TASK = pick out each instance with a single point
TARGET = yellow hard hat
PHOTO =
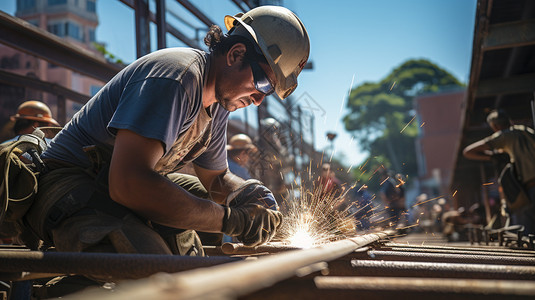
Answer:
(281, 37)
(35, 110)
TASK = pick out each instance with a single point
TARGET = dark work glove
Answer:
(251, 223)
(252, 191)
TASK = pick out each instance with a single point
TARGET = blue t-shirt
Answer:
(236, 169)
(159, 96)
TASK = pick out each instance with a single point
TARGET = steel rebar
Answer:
(461, 251)
(238, 248)
(232, 280)
(111, 265)
(430, 270)
(429, 285)
(444, 257)
(494, 249)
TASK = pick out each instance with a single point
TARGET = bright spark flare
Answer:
(302, 239)
(314, 218)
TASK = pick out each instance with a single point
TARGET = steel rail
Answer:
(429, 270)
(466, 248)
(108, 265)
(236, 279)
(429, 285)
(443, 257)
(381, 288)
(453, 251)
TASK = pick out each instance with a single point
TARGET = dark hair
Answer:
(21, 125)
(220, 43)
(499, 118)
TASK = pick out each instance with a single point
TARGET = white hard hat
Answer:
(281, 37)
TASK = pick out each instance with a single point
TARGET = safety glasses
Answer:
(261, 81)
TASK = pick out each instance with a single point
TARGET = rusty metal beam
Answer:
(113, 266)
(196, 12)
(236, 279)
(509, 35)
(524, 83)
(27, 38)
(52, 88)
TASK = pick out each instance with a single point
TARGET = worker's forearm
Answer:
(477, 155)
(224, 185)
(478, 151)
(160, 200)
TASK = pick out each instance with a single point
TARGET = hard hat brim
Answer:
(38, 119)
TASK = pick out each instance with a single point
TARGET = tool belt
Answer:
(68, 190)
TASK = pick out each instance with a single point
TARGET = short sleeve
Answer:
(155, 108)
(496, 140)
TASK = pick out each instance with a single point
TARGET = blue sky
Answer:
(352, 41)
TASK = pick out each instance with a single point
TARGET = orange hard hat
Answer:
(35, 110)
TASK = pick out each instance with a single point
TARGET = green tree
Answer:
(108, 55)
(382, 117)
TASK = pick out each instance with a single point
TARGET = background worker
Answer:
(30, 115)
(330, 185)
(163, 110)
(518, 141)
(392, 195)
(240, 148)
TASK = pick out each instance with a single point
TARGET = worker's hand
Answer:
(251, 223)
(252, 191)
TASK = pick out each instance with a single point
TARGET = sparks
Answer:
(408, 124)
(302, 239)
(393, 84)
(314, 218)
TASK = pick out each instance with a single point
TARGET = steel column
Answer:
(161, 24)
(142, 27)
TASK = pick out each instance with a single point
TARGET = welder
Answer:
(114, 184)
